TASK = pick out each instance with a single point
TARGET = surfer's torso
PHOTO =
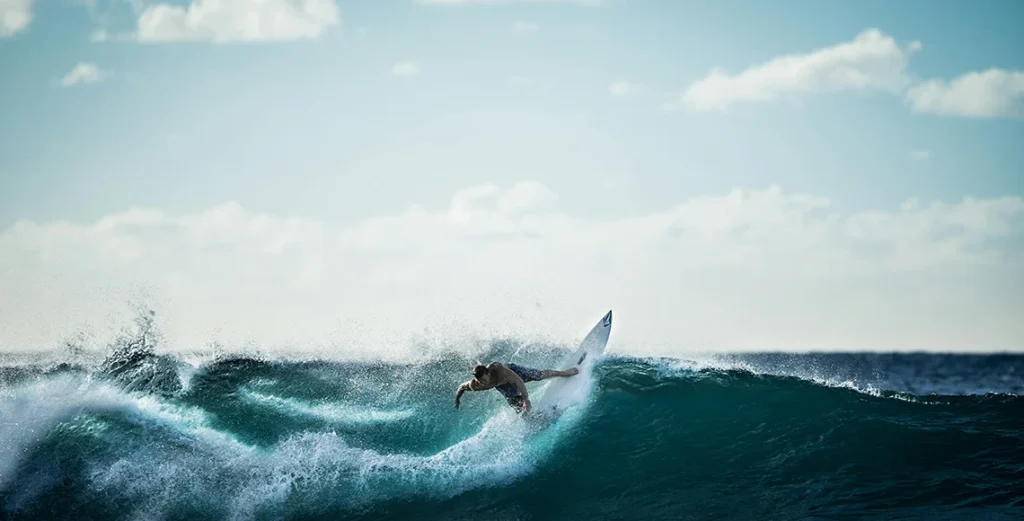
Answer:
(510, 380)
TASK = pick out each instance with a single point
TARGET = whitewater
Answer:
(138, 434)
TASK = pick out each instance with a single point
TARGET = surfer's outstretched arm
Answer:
(465, 386)
(469, 385)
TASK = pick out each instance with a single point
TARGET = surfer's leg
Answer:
(551, 373)
(531, 375)
(528, 374)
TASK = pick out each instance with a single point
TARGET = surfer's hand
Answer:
(527, 405)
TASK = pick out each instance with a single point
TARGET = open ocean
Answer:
(136, 435)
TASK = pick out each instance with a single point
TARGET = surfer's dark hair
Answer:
(479, 371)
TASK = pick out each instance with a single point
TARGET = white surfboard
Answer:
(563, 392)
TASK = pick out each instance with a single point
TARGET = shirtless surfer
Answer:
(510, 380)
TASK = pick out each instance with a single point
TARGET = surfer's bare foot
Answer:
(571, 371)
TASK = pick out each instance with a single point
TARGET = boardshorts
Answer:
(528, 374)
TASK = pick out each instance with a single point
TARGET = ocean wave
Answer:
(653, 439)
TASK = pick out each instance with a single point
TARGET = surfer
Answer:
(510, 380)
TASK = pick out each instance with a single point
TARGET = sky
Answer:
(385, 178)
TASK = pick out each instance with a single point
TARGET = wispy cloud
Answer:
(992, 93)
(525, 28)
(406, 68)
(920, 155)
(622, 88)
(871, 61)
(15, 15)
(237, 21)
(83, 73)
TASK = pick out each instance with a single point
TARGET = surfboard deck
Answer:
(563, 392)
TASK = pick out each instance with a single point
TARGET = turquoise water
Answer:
(744, 437)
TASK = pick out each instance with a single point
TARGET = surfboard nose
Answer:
(607, 320)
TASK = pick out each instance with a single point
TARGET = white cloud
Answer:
(15, 15)
(525, 28)
(991, 93)
(495, 2)
(871, 61)
(761, 269)
(920, 155)
(99, 35)
(224, 21)
(83, 73)
(622, 88)
(406, 68)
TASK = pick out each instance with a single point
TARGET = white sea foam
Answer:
(322, 468)
(322, 465)
(181, 459)
(28, 411)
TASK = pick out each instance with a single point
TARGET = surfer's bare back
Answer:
(510, 380)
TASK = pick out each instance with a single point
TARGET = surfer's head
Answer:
(479, 371)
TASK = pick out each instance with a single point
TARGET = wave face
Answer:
(742, 437)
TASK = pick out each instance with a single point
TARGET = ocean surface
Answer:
(136, 435)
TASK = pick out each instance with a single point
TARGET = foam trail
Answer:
(334, 412)
(323, 466)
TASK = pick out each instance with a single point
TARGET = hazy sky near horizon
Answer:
(369, 177)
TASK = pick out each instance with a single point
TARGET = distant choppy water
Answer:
(744, 437)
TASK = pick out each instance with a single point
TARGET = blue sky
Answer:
(345, 113)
